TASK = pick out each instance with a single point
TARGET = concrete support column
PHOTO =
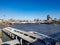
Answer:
(13, 36)
(21, 41)
(10, 34)
(16, 37)
(28, 43)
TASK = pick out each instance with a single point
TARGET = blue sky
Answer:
(29, 9)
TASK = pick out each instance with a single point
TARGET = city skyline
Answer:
(29, 9)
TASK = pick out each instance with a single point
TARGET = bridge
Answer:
(27, 38)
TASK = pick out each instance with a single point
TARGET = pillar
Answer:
(10, 34)
(28, 43)
(13, 36)
(16, 37)
(21, 41)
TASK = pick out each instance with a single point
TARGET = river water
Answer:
(41, 28)
(52, 30)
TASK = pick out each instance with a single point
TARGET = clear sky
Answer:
(29, 9)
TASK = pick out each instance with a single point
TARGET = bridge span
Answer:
(27, 38)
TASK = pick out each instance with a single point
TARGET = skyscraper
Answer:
(49, 18)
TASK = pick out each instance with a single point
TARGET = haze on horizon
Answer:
(29, 9)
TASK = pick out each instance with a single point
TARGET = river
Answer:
(52, 30)
(41, 28)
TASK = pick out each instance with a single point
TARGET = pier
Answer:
(26, 38)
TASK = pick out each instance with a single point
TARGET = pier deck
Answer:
(27, 38)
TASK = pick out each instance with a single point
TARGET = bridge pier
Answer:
(10, 34)
(21, 41)
(13, 36)
(16, 37)
(28, 43)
